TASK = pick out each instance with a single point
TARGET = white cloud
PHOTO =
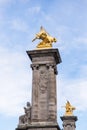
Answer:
(34, 10)
(81, 40)
(24, 1)
(18, 25)
(75, 91)
(15, 82)
(4, 2)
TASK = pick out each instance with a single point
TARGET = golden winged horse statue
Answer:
(47, 40)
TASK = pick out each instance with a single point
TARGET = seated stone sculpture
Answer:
(47, 40)
(26, 118)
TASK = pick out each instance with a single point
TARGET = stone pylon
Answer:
(69, 122)
(43, 110)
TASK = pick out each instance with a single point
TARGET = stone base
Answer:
(39, 127)
(69, 122)
(69, 118)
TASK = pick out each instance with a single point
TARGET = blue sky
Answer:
(20, 20)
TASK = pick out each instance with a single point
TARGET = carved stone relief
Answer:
(43, 81)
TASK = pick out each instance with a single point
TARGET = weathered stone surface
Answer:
(45, 56)
(69, 122)
(43, 114)
(26, 118)
(44, 108)
(40, 127)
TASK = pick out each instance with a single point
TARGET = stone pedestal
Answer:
(69, 122)
(44, 104)
(39, 127)
(44, 70)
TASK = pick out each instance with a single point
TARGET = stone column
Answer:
(52, 94)
(69, 122)
(35, 76)
(44, 100)
(44, 68)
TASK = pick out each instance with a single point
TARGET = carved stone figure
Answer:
(47, 40)
(26, 118)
